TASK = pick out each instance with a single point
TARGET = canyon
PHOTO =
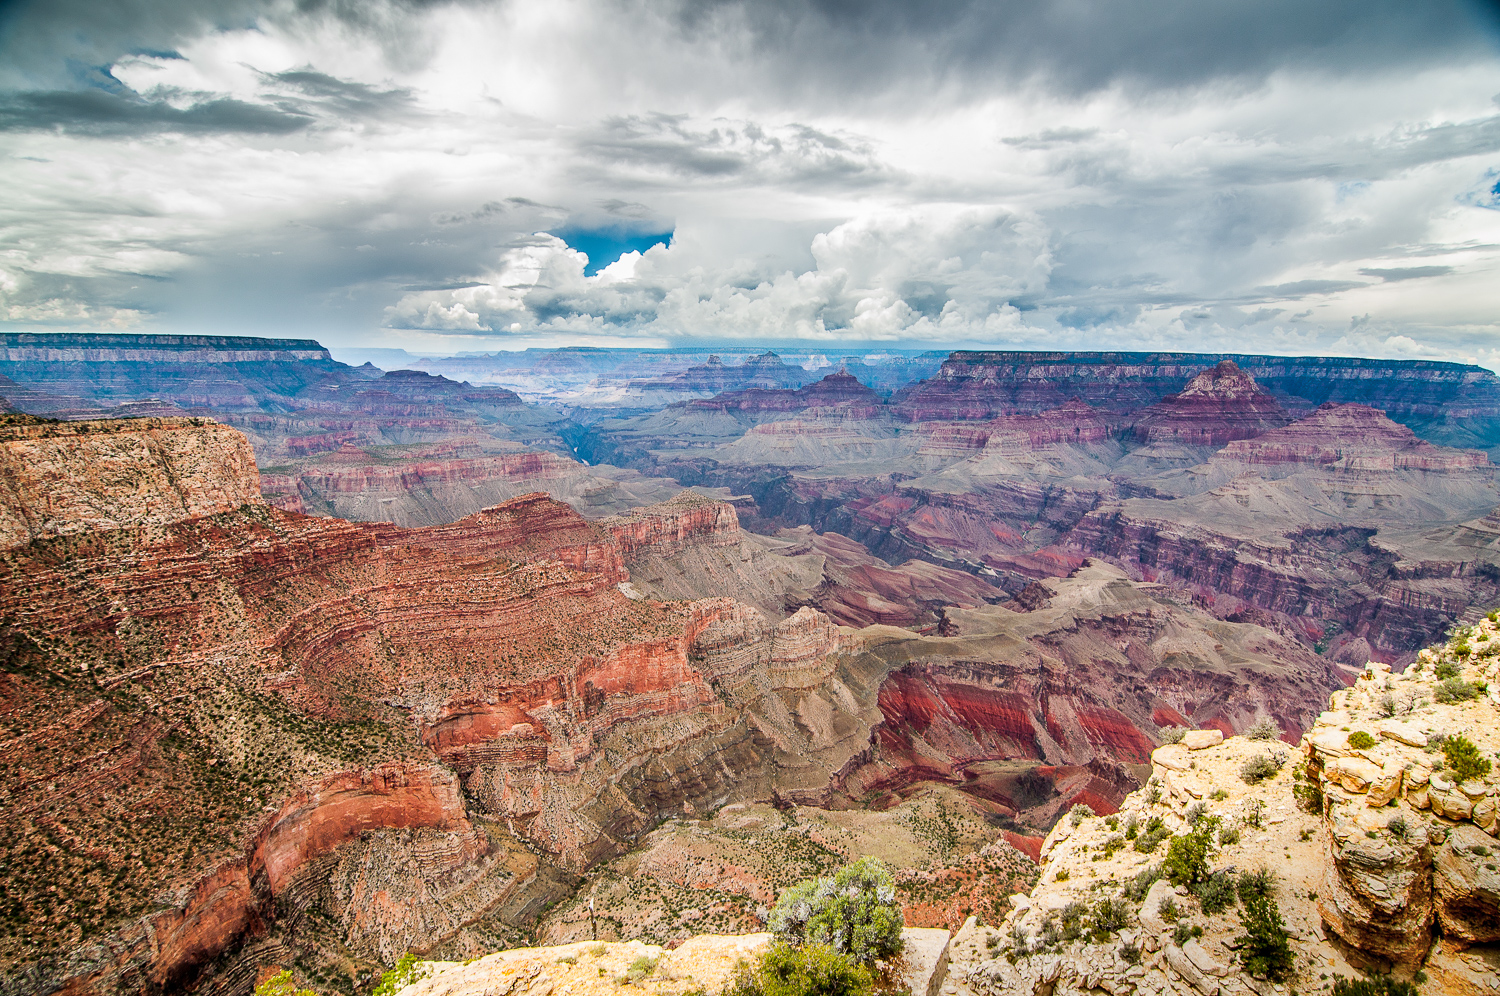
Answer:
(310, 665)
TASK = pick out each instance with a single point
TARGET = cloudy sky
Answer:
(1267, 175)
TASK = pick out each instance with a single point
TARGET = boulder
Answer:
(1200, 739)
(1387, 786)
(1354, 773)
(1402, 733)
(1191, 973)
(923, 964)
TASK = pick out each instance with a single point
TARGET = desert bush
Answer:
(1256, 883)
(1447, 669)
(1168, 909)
(1388, 705)
(1187, 854)
(1196, 812)
(1266, 729)
(1185, 932)
(1360, 740)
(638, 970)
(1264, 949)
(1108, 916)
(281, 984)
(1171, 734)
(1079, 813)
(854, 913)
(1229, 834)
(1397, 828)
(1464, 758)
(1150, 838)
(1258, 769)
(1456, 690)
(1135, 890)
(1215, 893)
(811, 970)
(402, 974)
(1375, 985)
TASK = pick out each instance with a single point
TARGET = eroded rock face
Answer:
(59, 480)
(177, 683)
(1217, 406)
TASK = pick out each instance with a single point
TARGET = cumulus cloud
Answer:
(1218, 174)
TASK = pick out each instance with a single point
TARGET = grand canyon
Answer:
(309, 665)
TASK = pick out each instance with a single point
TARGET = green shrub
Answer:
(638, 970)
(1375, 985)
(1196, 812)
(1447, 669)
(1136, 889)
(1171, 734)
(1360, 740)
(1109, 916)
(1253, 884)
(1258, 769)
(1168, 909)
(1266, 729)
(1464, 758)
(281, 984)
(1079, 813)
(401, 975)
(1454, 690)
(812, 970)
(1150, 838)
(1215, 893)
(855, 912)
(1229, 835)
(1264, 949)
(1184, 932)
(1187, 854)
(1061, 876)
(1219, 794)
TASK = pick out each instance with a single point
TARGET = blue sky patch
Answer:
(605, 245)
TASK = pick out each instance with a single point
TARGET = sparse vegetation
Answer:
(853, 913)
(1171, 734)
(1257, 769)
(1229, 834)
(1150, 839)
(1265, 729)
(282, 984)
(1187, 854)
(1375, 985)
(1264, 949)
(1464, 758)
(1079, 813)
(1360, 740)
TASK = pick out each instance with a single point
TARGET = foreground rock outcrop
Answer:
(1378, 862)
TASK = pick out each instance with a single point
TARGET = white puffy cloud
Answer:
(982, 173)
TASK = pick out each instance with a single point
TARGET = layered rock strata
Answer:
(287, 736)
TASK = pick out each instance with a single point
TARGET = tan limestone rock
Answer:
(1466, 876)
(1405, 733)
(1354, 773)
(1202, 739)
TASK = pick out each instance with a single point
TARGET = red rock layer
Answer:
(1217, 406)
(1353, 438)
(664, 528)
(1073, 423)
(320, 480)
(839, 392)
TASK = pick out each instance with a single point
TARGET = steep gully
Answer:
(237, 735)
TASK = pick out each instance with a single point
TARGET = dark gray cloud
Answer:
(1084, 45)
(98, 112)
(1406, 272)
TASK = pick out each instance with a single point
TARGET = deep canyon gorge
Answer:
(310, 665)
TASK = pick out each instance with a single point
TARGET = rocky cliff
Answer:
(1217, 406)
(235, 733)
(1379, 859)
(1447, 403)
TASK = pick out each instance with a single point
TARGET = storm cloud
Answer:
(1272, 175)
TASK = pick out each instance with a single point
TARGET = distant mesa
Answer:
(1350, 438)
(1217, 407)
(765, 371)
(839, 391)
